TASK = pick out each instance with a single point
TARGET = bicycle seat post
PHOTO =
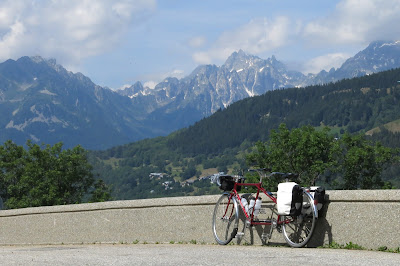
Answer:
(261, 173)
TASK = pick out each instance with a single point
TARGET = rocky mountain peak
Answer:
(378, 56)
(131, 91)
(202, 70)
(382, 44)
(240, 60)
(38, 59)
(51, 62)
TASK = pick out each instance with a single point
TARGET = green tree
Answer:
(43, 175)
(304, 151)
(311, 153)
(101, 192)
(362, 162)
(12, 170)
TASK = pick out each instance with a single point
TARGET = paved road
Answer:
(189, 254)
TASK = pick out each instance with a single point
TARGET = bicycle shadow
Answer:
(262, 234)
(256, 234)
(322, 234)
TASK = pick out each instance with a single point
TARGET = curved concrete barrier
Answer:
(369, 218)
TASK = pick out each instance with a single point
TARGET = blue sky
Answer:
(119, 42)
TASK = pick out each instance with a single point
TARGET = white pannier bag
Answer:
(289, 199)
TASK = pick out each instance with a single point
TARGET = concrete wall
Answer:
(368, 218)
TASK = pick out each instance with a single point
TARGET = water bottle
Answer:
(257, 206)
(251, 205)
(244, 203)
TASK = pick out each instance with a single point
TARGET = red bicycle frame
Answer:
(250, 216)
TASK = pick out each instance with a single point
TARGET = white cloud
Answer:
(325, 62)
(257, 36)
(69, 30)
(198, 41)
(123, 87)
(356, 22)
(203, 57)
(12, 37)
(150, 84)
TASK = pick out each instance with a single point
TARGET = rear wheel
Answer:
(225, 219)
(298, 230)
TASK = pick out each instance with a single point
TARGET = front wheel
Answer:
(225, 219)
(298, 230)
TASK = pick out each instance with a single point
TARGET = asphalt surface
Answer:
(188, 254)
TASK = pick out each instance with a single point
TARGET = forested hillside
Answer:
(358, 104)
(219, 142)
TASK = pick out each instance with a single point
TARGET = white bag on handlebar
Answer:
(289, 199)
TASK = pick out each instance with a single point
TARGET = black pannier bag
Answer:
(289, 199)
(227, 182)
(318, 194)
(297, 201)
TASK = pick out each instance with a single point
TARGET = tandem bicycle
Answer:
(296, 229)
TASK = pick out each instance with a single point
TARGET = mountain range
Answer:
(367, 105)
(42, 101)
(244, 75)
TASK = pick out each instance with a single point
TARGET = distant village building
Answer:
(187, 182)
(157, 175)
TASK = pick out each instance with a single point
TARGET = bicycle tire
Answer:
(225, 219)
(298, 230)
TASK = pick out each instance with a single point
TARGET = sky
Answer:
(119, 42)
